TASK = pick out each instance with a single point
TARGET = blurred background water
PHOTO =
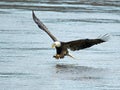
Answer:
(26, 61)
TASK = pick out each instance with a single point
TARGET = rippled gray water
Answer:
(26, 61)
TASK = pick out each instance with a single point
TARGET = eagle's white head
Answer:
(56, 44)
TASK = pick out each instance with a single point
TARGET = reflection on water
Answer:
(26, 61)
(79, 72)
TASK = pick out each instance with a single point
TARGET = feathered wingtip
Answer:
(34, 17)
(105, 37)
(33, 13)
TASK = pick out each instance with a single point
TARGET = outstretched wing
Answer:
(42, 26)
(85, 43)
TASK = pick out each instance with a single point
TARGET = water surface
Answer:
(26, 61)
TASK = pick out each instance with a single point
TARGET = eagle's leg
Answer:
(70, 55)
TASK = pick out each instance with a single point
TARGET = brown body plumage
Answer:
(62, 47)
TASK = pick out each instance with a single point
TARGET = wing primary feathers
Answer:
(105, 37)
(86, 43)
(42, 26)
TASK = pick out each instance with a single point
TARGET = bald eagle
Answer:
(62, 47)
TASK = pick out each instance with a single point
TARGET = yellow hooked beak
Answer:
(53, 45)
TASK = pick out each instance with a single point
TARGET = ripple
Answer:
(14, 73)
(4, 12)
(89, 20)
(17, 32)
(26, 48)
(62, 6)
(4, 42)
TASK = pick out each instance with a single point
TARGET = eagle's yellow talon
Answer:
(57, 56)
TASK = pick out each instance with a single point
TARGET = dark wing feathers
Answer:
(42, 26)
(85, 43)
(72, 45)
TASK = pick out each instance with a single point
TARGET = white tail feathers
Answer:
(105, 37)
